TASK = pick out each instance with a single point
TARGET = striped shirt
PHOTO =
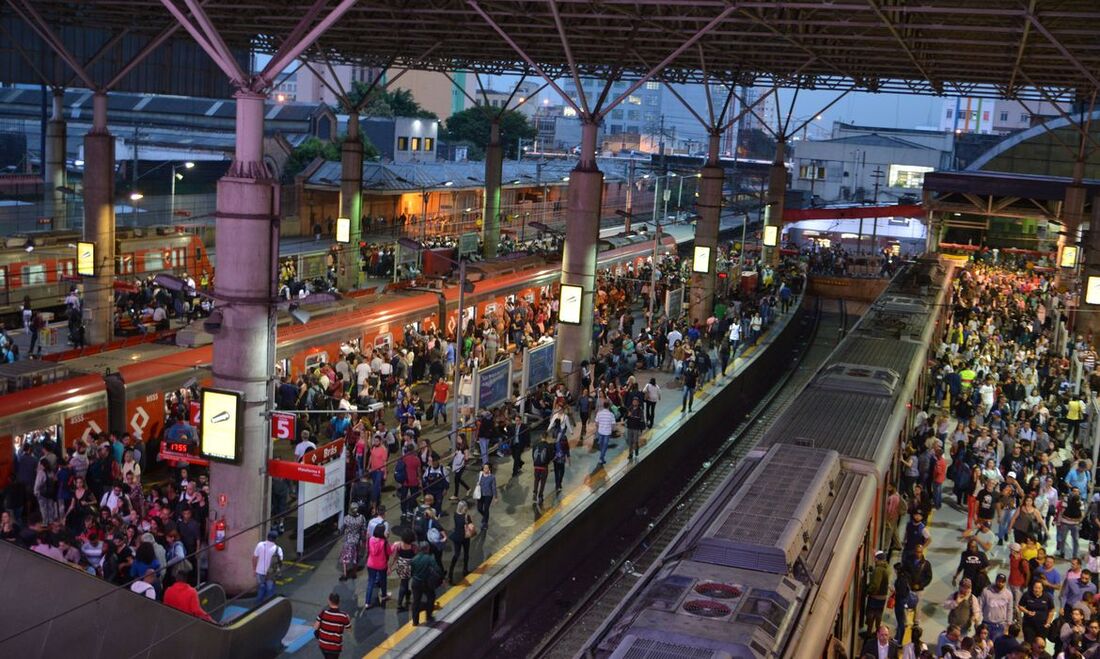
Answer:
(330, 633)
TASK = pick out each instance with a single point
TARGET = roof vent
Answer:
(718, 590)
(707, 608)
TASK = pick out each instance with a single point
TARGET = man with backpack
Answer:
(427, 576)
(541, 455)
(267, 560)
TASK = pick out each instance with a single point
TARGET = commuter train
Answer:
(125, 390)
(42, 265)
(775, 563)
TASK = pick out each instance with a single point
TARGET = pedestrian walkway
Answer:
(515, 518)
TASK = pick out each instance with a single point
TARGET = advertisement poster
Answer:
(493, 385)
(674, 302)
(539, 365)
(569, 310)
(221, 425)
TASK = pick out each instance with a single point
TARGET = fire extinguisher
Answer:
(219, 535)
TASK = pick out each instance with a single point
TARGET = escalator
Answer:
(48, 610)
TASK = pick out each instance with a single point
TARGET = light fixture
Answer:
(78, 163)
(448, 184)
(135, 196)
(179, 177)
(565, 178)
(188, 165)
(29, 248)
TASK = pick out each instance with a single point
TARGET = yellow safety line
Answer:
(400, 634)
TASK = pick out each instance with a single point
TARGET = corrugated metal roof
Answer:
(885, 353)
(411, 177)
(847, 423)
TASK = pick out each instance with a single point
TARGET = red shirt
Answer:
(181, 595)
(330, 632)
(440, 392)
(940, 473)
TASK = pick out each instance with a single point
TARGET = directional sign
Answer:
(283, 425)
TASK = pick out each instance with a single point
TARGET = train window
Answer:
(3, 278)
(64, 269)
(468, 315)
(181, 403)
(198, 257)
(348, 347)
(511, 299)
(125, 264)
(37, 436)
(490, 308)
(316, 359)
(34, 274)
(383, 341)
(179, 257)
(154, 261)
(530, 297)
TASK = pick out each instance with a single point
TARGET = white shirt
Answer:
(652, 392)
(605, 422)
(265, 550)
(674, 337)
(362, 372)
(144, 588)
(735, 332)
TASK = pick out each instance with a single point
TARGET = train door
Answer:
(383, 342)
(152, 260)
(124, 264)
(5, 297)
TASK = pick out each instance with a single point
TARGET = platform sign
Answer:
(283, 426)
(674, 302)
(320, 501)
(85, 259)
(569, 307)
(221, 429)
(1092, 291)
(493, 385)
(468, 244)
(538, 365)
(296, 471)
(343, 230)
(771, 235)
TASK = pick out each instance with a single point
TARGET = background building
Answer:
(996, 117)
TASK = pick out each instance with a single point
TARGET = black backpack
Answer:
(50, 487)
(541, 454)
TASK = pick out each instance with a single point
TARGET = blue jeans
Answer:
(1073, 530)
(375, 578)
(937, 495)
(483, 446)
(1002, 526)
(439, 411)
(603, 440)
(376, 478)
(996, 630)
(689, 398)
(899, 615)
(265, 587)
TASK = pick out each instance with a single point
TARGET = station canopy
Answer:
(985, 48)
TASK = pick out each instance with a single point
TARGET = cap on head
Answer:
(272, 534)
(1012, 474)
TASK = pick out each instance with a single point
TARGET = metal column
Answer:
(706, 230)
(99, 223)
(578, 266)
(777, 191)
(351, 204)
(494, 162)
(247, 234)
(54, 163)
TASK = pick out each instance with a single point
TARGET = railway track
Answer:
(568, 637)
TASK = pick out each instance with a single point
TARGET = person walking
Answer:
(329, 628)
(440, 393)
(605, 426)
(561, 459)
(427, 575)
(541, 455)
(464, 530)
(404, 551)
(355, 526)
(378, 561)
(585, 403)
(998, 607)
(266, 561)
(484, 492)
(459, 461)
(652, 394)
(635, 424)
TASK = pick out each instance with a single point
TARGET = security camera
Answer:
(212, 324)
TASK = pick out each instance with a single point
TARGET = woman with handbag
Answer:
(464, 531)
(1027, 520)
(484, 493)
(404, 551)
(378, 562)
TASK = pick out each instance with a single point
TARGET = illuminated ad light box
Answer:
(221, 427)
(569, 311)
(1092, 291)
(700, 261)
(343, 230)
(85, 259)
(1069, 256)
(771, 236)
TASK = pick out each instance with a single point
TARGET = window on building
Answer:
(973, 115)
(1004, 116)
(616, 129)
(653, 100)
(616, 114)
(415, 144)
(429, 144)
(633, 115)
(907, 176)
(950, 112)
(402, 144)
(1025, 118)
(652, 86)
(634, 100)
(985, 115)
(568, 112)
(811, 171)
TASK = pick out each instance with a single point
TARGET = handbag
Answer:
(477, 489)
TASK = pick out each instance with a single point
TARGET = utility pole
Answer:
(629, 196)
(878, 175)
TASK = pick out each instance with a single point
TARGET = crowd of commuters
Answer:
(1000, 443)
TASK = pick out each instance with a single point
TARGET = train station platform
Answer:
(518, 526)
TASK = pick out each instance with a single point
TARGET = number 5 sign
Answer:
(283, 426)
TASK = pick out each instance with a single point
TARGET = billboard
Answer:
(220, 432)
(494, 385)
(538, 365)
(85, 259)
(569, 309)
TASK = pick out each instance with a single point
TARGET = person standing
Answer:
(1037, 610)
(485, 492)
(635, 424)
(963, 608)
(878, 591)
(427, 575)
(439, 400)
(605, 425)
(997, 607)
(690, 380)
(355, 528)
(458, 465)
(464, 530)
(378, 561)
(652, 394)
(561, 458)
(266, 559)
(329, 628)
